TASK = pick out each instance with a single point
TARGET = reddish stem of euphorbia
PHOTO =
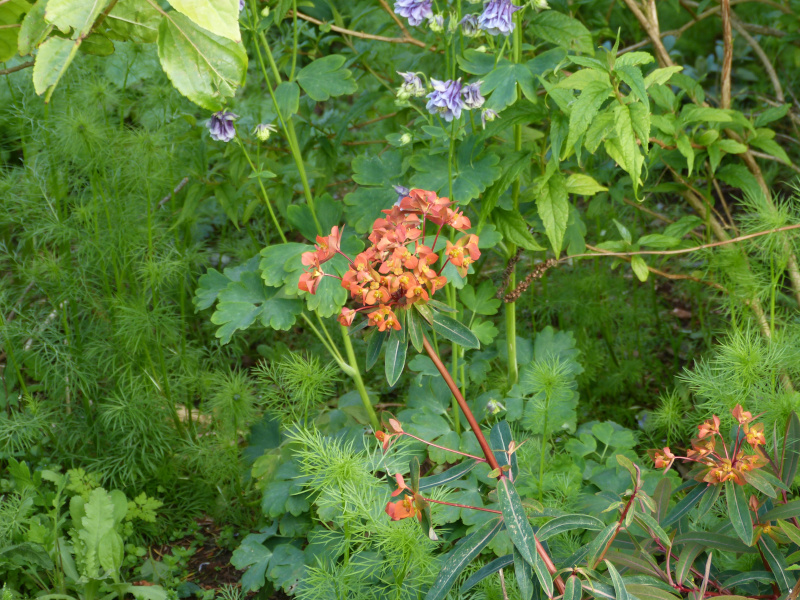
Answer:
(491, 510)
(487, 451)
(478, 458)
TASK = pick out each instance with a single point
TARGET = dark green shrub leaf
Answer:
(777, 563)
(524, 574)
(791, 449)
(515, 230)
(326, 77)
(558, 28)
(452, 474)
(568, 523)
(395, 358)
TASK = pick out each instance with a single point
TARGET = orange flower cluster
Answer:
(405, 507)
(716, 461)
(396, 270)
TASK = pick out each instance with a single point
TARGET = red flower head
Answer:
(755, 435)
(663, 458)
(741, 415)
(463, 253)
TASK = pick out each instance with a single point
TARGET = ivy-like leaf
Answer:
(326, 77)
(244, 302)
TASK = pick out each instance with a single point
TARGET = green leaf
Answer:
(566, 523)
(584, 185)
(520, 531)
(552, 202)
(513, 167)
(639, 268)
(708, 501)
(791, 531)
(573, 589)
(558, 28)
(685, 148)
(471, 175)
(782, 511)
(647, 521)
(455, 331)
(490, 569)
(481, 301)
(52, 60)
(514, 229)
(220, 17)
(790, 453)
(287, 95)
(134, 20)
(204, 67)
(500, 439)
(243, 302)
(759, 482)
(777, 563)
(599, 544)
(33, 31)
(452, 474)
(692, 113)
(96, 550)
(619, 585)
(686, 560)
(374, 347)
(10, 16)
(463, 554)
(633, 77)
(716, 541)
(685, 505)
(326, 77)
(648, 592)
(395, 359)
(731, 146)
(416, 330)
(485, 331)
(771, 114)
(75, 15)
(739, 512)
(375, 175)
(747, 577)
(624, 148)
(661, 76)
(524, 575)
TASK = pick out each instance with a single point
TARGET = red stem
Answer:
(490, 458)
(478, 458)
(497, 512)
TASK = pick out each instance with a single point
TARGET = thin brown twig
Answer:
(648, 211)
(741, 238)
(727, 57)
(361, 34)
(16, 68)
(718, 189)
(762, 56)
(395, 18)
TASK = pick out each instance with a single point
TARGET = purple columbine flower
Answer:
(221, 126)
(411, 87)
(469, 26)
(445, 99)
(402, 192)
(436, 23)
(241, 5)
(415, 11)
(498, 18)
(472, 95)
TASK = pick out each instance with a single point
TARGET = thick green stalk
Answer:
(511, 307)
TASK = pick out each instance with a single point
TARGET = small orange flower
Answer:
(403, 509)
(755, 435)
(346, 316)
(710, 427)
(742, 416)
(663, 458)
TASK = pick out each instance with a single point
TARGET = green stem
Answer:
(356, 375)
(10, 352)
(294, 45)
(263, 190)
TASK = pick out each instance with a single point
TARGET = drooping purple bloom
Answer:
(469, 26)
(415, 11)
(445, 99)
(498, 17)
(220, 125)
(472, 95)
(411, 87)
(436, 23)
(241, 5)
(402, 192)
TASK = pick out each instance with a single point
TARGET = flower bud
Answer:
(488, 115)
(436, 23)
(540, 5)
(469, 26)
(265, 12)
(405, 139)
(263, 131)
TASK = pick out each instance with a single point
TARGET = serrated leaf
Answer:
(204, 67)
(661, 76)
(471, 175)
(75, 15)
(463, 554)
(560, 29)
(134, 20)
(326, 77)
(514, 229)
(584, 185)
(552, 202)
(376, 175)
(455, 331)
(773, 113)
(739, 512)
(633, 77)
(220, 17)
(33, 31)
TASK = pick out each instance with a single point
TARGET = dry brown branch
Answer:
(361, 34)
(16, 68)
(762, 56)
(648, 211)
(727, 57)
(395, 18)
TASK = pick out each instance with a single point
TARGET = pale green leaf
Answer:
(553, 205)
(584, 185)
(639, 267)
(34, 29)
(220, 17)
(204, 67)
(560, 29)
(52, 60)
(661, 76)
(75, 15)
(585, 109)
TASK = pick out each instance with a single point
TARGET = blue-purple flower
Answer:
(415, 11)
(402, 192)
(472, 95)
(469, 26)
(436, 23)
(220, 125)
(411, 87)
(445, 99)
(241, 5)
(498, 17)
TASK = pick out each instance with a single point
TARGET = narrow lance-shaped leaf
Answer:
(524, 575)
(415, 329)
(374, 347)
(791, 449)
(568, 523)
(616, 580)
(685, 505)
(573, 589)
(463, 554)
(521, 532)
(776, 563)
(493, 567)
(739, 512)
(395, 359)
(455, 331)
(451, 474)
